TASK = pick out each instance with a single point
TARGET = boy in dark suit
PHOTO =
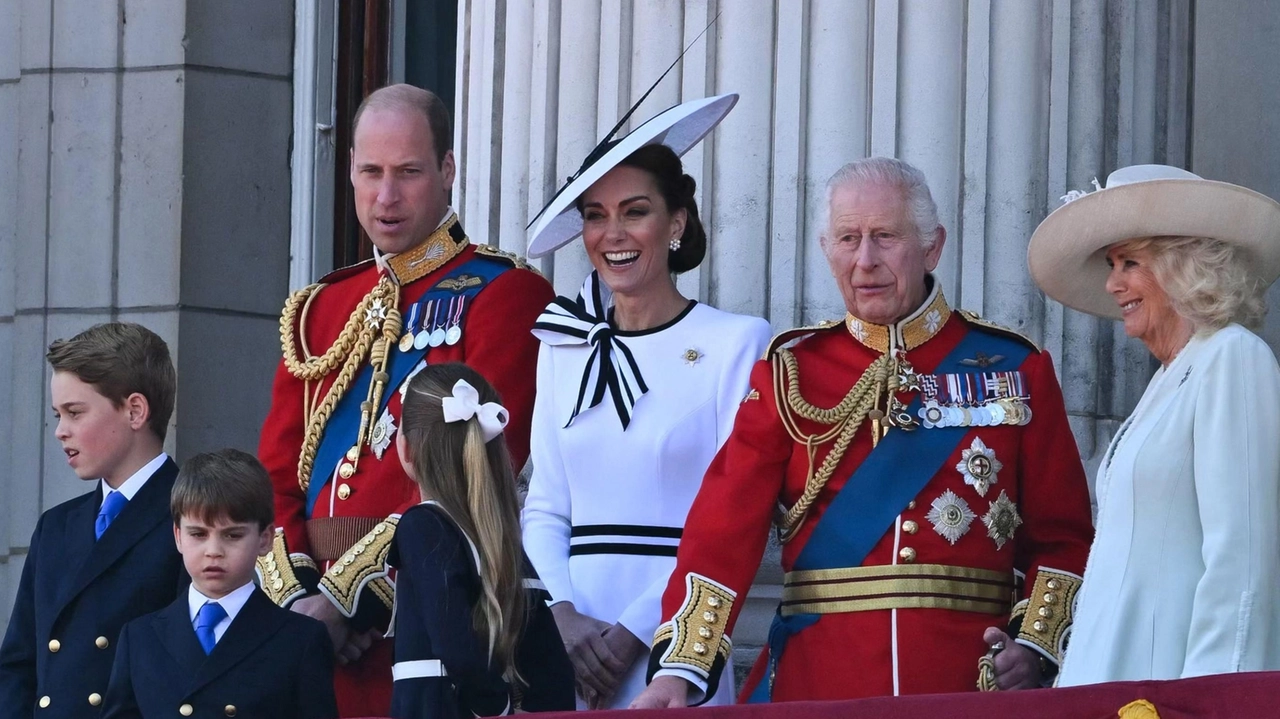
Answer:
(102, 559)
(223, 648)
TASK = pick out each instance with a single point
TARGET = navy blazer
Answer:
(270, 664)
(437, 587)
(75, 594)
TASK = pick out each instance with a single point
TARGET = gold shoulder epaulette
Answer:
(973, 319)
(511, 258)
(786, 337)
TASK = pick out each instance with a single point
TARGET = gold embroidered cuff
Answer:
(697, 631)
(1046, 624)
(276, 572)
(364, 565)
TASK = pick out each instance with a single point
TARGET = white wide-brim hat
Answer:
(1067, 253)
(679, 128)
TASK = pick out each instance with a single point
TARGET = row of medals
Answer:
(440, 331)
(1005, 410)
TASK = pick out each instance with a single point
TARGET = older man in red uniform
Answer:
(349, 343)
(920, 470)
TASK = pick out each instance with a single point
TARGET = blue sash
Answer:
(344, 423)
(890, 477)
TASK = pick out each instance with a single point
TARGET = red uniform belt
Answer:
(901, 586)
(331, 537)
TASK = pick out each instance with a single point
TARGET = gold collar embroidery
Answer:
(429, 256)
(919, 327)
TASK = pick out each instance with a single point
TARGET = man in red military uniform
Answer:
(349, 343)
(919, 467)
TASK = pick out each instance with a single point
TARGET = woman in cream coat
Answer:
(1184, 575)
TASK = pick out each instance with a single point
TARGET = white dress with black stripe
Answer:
(606, 505)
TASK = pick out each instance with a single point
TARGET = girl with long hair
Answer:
(473, 634)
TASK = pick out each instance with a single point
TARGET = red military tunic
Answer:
(340, 548)
(909, 618)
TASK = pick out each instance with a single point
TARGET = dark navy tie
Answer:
(206, 619)
(111, 507)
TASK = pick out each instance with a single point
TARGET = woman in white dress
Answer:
(638, 387)
(1184, 575)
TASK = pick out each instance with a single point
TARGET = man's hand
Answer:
(357, 644)
(318, 606)
(1017, 667)
(594, 663)
(663, 693)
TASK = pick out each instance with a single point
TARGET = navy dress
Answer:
(442, 664)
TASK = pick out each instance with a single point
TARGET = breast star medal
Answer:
(950, 516)
(691, 356)
(383, 431)
(979, 466)
(1002, 520)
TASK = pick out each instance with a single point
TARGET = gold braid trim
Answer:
(275, 571)
(844, 419)
(365, 333)
(363, 565)
(697, 631)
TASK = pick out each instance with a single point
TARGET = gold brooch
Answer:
(691, 356)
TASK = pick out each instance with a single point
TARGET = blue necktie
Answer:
(111, 507)
(206, 619)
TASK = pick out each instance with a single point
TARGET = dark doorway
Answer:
(363, 65)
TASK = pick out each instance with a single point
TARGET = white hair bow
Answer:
(465, 404)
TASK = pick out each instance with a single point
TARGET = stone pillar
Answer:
(144, 176)
(1005, 105)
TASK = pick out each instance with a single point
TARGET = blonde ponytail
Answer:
(473, 482)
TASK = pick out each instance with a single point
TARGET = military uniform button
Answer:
(277, 584)
(709, 616)
(1050, 598)
(230, 710)
(44, 702)
(1045, 612)
(1039, 625)
(907, 555)
(186, 710)
(54, 645)
(910, 527)
(699, 648)
(95, 699)
(337, 569)
(713, 602)
(344, 490)
(704, 632)
(101, 642)
(1052, 584)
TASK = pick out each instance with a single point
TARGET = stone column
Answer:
(144, 176)
(1005, 104)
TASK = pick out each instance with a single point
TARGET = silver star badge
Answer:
(376, 313)
(691, 356)
(979, 466)
(383, 431)
(1002, 520)
(950, 516)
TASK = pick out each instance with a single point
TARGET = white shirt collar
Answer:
(139, 478)
(382, 258)
(232, 603)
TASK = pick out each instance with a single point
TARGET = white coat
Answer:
(606, 506)
(1183, 577)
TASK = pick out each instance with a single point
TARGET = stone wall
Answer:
(1004, 104)
(144, 176)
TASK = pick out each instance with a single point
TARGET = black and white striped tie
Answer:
(611, 367)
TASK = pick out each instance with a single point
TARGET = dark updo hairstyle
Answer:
(677, 189)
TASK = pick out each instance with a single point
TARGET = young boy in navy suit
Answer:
(102, 559)
(223, 648)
